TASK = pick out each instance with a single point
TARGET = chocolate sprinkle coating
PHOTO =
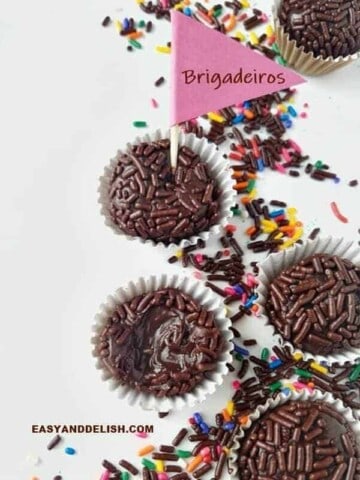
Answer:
(148, 200)
(162, 342)
(316, 304)
(300, 439)
(327, 28)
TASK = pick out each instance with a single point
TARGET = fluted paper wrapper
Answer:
(301, 61)
(280, 399)
(277, 262)
(218, 167)
(207, 299)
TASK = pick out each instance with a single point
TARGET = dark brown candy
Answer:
(54, 442)
(314, 233)
(315, 303)
(202, 470)
(167, 448)
(179, 437)
(145, 474)
(198, 437)
(147, 199)
(220, 465)
(172, 468)
(129, 466)
(159, 81)
(325, 28)
(159, 343)
(180, 476)
(109, 466)
(165, 456)
(298, 455)
(106, 21)
(163, 414)
(250, 342)
(153, 475)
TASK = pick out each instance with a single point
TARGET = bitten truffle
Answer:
(163, 343)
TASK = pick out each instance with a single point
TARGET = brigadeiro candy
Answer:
(161, 342)
(143, 197)
(311, 297)
(317, 36)
(162, 339)
(315, 304)
(303, 440)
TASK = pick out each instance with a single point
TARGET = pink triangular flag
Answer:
(197, 49)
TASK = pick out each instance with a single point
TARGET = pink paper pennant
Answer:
(212, 71)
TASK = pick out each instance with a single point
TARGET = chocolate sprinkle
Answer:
(54, 442)
(106, 21)
(159, 81)
(163, 414)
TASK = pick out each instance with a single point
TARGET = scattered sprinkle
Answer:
(54, 442)
(134, 43)
(159, 81)
(70, 451)
(337, 213)
(106, 21)
(146, 450)
(139, 124)
(162, 49)
(314, 233)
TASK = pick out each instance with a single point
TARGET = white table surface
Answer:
(69, 92)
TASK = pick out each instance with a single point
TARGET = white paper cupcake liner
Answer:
(206, 299)
(280, 399)
(218, 167)
(277, 262)
(301, 61)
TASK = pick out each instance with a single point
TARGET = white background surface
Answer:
(69, 92)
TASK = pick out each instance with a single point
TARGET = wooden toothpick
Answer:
(174, 145)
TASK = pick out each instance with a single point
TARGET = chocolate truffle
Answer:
(146, 199)
(315, 304)
(163, 343)
(327, 28)
(306, 440)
